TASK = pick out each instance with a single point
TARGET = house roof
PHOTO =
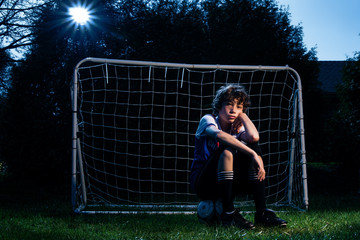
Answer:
(330, 75)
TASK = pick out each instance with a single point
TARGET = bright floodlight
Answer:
(80, 15)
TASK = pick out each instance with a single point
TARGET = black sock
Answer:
(258, 189)
(225, 184)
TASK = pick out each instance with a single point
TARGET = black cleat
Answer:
(268, 218)
(235, 219)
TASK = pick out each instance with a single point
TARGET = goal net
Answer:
(134, 125)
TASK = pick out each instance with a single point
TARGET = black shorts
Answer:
(206, 182)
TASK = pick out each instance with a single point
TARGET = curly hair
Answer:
(229, 93)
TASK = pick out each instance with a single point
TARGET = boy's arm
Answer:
(228, 140)
(234, 143)
(251, 134)
(261, 173)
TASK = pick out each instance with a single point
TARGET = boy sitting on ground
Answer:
(228, 159)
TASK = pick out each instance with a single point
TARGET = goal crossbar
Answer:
(88, 157)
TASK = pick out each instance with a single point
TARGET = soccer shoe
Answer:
(235, 219)
(268, 218)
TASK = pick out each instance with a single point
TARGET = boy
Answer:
(228, 159)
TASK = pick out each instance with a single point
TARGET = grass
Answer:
(34, 217)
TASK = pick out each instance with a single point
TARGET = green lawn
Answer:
(329, 217)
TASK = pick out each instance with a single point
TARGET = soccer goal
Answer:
(134, 124)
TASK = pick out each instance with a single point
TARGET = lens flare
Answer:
(80, 15)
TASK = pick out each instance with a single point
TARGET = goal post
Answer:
(134, 125)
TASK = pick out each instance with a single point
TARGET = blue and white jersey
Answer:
(205, 146)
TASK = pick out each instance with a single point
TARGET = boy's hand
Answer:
(259, 165)
(261, 174)
(251, 134)
(236, 126)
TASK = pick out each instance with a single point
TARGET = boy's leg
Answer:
(263, 216)
(246, 181)
(225, 180)
(246, 174)
(230, 216)
(216, 177)
(216, 180)
(257, 188)
(206, 182)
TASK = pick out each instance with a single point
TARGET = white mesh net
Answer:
(136, 125)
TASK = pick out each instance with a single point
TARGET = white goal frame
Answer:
(295, 141)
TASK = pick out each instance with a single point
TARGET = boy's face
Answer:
(230, 111)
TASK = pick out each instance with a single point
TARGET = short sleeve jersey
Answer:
(205, 146)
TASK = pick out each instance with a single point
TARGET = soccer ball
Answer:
(209, 211)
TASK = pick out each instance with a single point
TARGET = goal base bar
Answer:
(167, 210)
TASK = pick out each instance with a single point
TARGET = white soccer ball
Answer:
(209, 211)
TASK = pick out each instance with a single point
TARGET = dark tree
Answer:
(36, 115)
(347, 120)
(160, 30)
(16, 22)
(348, 93)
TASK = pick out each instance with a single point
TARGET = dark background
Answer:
(35, 110)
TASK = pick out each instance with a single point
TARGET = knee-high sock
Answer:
(225, 184)
(258, 190)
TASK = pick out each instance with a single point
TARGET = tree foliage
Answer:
(16, 18)
(36, 118)
(349, 92)
(36, 115)
(347, 119)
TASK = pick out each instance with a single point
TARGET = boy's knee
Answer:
(227, 154)
(226, 160)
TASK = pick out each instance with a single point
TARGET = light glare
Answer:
(80, 15)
